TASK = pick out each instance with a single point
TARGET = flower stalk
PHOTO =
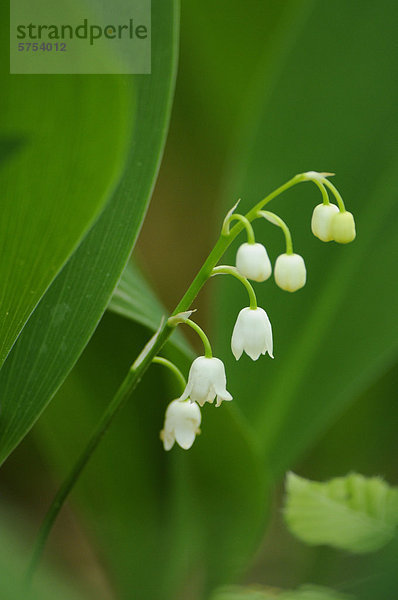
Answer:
(160, 360)
(154, 346)
(276, 220)
(227, 270)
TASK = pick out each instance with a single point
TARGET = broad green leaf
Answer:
(182, 515)
(334, 337)
(350, 513)
(56, 174)
(305, 592)
(67, 315)
(134, 299)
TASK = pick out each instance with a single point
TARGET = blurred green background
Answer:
(265, 90)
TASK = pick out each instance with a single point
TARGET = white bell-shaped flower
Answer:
(289, 272)
(206, 381)
(252, 334)
(181, 424)
(343, 227)
(252, 262)
(322, 220)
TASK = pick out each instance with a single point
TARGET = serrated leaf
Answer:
(56, 174)
(67, 315)
(352, 513)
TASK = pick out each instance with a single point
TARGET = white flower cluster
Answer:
(206, 382)
(252, 332)
(328, 223)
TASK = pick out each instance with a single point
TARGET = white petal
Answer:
(185, 437)
(187, 392)
(224, 396)
(167, 438)
(237, 340)
(219, 379)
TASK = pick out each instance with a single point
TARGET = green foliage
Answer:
(350, 513)
(56, 174)
(68, 313)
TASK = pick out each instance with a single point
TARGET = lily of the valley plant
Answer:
(252, 332)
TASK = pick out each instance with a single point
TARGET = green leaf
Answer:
(67, 315)
(134, 299)
(56, 173)
(305, 592)
(337, 335)
(350, 513)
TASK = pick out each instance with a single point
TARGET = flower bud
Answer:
(289, 272)
(343, 228)
(321, 222)
(252, 262)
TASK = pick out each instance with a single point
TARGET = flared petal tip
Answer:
(185, 438)
(254, 355)
(237, 352)
(167, 439)
(226, 397)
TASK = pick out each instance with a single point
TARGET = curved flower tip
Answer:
(206, 381)
(252, 262)
(252, 334)
(181, 424)
(343, 227)
(290, 272)
(321, 222)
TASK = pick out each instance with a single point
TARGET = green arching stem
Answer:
(202, 335)
(336, 194)
(139, 367)
(276, 220)
(160, 360)
(227, 270)
(323, 190)
(246, 223)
